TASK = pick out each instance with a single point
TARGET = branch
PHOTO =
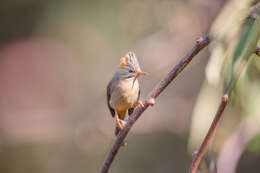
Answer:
(197, 155)
(200, 44)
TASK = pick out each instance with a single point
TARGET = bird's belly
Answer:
(125, 96)
(124, 103)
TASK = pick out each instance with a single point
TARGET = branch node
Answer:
(257, 51)
(225, 98)
(199, 40)
(151, 101)
(194, 154)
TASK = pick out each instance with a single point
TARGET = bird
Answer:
(123, 90)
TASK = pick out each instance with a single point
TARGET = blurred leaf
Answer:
(247, 87)
(245, 47)
(254, 144)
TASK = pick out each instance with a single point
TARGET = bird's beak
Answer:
(139, 72)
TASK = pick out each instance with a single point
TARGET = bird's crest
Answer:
(123, 61)
(129, 61)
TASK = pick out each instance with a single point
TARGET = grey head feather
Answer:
(130, 67)
(132, 62)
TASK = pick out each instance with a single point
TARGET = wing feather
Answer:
(112, 111)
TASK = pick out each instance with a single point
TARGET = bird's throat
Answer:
(135, 78)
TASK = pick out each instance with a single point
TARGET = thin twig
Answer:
(200, 44)
(197, 156)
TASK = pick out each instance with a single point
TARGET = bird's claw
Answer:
(140, 103)
(120, 123)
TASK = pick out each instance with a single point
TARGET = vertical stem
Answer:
(197, 156)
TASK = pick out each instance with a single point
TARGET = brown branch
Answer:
(197, 156)
(200, 44)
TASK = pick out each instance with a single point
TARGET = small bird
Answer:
(123, 91)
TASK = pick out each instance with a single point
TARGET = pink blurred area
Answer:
(34, 88)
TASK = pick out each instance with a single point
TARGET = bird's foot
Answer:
(120, 123)
(140, 103)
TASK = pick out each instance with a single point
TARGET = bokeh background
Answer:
(56, 59)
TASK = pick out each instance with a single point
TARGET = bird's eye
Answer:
(130, 71)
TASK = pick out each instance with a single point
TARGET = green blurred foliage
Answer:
(244, 48)
(254, 144)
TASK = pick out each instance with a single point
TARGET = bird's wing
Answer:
(112, 111)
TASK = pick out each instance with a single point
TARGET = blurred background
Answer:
(56, 59)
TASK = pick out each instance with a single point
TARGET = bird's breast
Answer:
(124, 94)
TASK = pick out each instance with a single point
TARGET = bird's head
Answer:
(129, 66)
